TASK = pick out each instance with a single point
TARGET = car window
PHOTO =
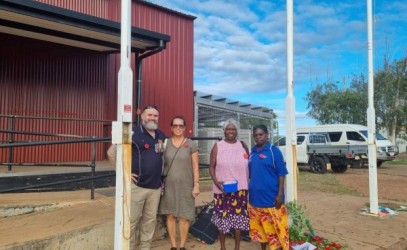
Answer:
(280, 142)
(354, 136)
(334, 136)
(300, 139)
(378, 136)
(317, 139)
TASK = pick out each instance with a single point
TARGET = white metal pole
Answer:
(291, 135)
(122, 132)
(371, 117)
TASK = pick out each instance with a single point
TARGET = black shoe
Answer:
(173, 248)
(182, 248)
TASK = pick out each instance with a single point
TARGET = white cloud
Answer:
(240, 46)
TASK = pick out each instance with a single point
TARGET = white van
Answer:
(354, 134)
(316, 151)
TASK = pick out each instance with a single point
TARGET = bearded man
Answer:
(146, 170)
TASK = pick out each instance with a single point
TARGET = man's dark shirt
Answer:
(147, 163)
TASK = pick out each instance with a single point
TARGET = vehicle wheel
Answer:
(358, 164)
(339, 168)
(318, 165)
(379, 163)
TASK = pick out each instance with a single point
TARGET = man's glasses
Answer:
(151, 107)
(178, 126)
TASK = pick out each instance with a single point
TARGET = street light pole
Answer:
(371, 117)
(122, 133)
(290, 110)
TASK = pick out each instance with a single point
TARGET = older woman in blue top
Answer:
(267, 212)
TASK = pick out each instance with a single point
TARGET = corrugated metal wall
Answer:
(167, 76)
(96, 8)
(43, 79)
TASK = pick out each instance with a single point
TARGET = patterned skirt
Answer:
(230, 211)
(270, 225)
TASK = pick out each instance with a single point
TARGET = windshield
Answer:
(378, 136)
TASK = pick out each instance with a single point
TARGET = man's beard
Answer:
(150, 125)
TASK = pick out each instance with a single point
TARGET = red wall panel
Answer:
(167, 76)
(49, 80)
(42, 79)
(96, 8)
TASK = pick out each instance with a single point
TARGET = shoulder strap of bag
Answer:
(245, 147)
(173, 158)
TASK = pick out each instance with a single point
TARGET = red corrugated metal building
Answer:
(60, 59)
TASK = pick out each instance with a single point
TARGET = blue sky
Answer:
(240, 46)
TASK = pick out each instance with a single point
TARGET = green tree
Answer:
(391, 97)
(329, 104)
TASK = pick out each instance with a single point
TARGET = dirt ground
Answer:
(391, 181)
(339, 217)
(334, 216)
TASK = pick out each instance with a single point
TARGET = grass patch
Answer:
(323, 182)
(307, 181)
(396, 162)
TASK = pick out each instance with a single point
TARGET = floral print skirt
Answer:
(230, 211)
(269, 225)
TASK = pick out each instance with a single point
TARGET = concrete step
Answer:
(72, 222)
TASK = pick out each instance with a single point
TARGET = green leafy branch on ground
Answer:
(300, 226)
(302, 231)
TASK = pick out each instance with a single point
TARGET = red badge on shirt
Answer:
(262, 156)
(245, 156)
(146, 146)
(186, 145)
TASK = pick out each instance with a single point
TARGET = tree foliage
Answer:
(327, 103)
(330, 104)
(391, 97)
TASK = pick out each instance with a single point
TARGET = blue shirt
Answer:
(147, 161)
(265, 168)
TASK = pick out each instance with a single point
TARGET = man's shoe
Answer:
(182, 248)
(173, 248)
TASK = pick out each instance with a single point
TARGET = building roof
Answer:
(45, 22)
(229, 105)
